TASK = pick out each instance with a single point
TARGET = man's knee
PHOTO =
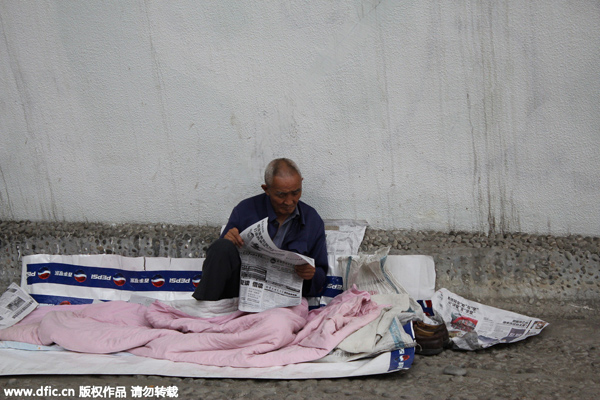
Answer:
(220, 272)
(223, 255)
(222, 246)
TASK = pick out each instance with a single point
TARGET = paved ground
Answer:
(562, 362)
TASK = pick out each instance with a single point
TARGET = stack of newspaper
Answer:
(15, 304)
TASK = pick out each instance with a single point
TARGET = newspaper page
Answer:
(268, 278)
(15, 304)
(474, 326)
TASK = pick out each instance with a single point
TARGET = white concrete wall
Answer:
(445, 115)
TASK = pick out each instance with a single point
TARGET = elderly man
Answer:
(293, 225)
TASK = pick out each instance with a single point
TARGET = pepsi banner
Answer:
(78, 279)
(101, 277)
(55, 279)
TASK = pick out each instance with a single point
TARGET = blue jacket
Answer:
(305, 236)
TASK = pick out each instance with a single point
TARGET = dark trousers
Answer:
(220, 272)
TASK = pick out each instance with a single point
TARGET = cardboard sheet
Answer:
(80, 279)
(25, 362)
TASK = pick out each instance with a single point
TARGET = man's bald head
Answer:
(282, 167)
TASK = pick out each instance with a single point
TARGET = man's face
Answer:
(284, 192)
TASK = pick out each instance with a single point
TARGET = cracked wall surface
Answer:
(432, 116)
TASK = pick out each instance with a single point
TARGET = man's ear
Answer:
(264, 187)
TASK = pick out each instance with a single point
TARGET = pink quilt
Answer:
(278, 336)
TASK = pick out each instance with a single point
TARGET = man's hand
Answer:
(305, 271)
(234, 235)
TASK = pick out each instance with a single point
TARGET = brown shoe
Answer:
(431, 339)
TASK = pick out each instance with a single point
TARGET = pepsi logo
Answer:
(196, 280)
(80, 276)
(119, 280)
(64, 303)
(158, 280)
(44, 273)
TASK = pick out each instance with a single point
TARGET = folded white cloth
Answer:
(383, 334)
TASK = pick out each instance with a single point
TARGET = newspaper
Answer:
(15, 304)
(474, 326)
(268, 278)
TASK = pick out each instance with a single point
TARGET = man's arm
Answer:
(246, 213)
(231, 231)
(233, 235)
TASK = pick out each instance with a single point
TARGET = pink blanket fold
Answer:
(274, 337)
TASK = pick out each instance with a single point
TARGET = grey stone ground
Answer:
(554, 278)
